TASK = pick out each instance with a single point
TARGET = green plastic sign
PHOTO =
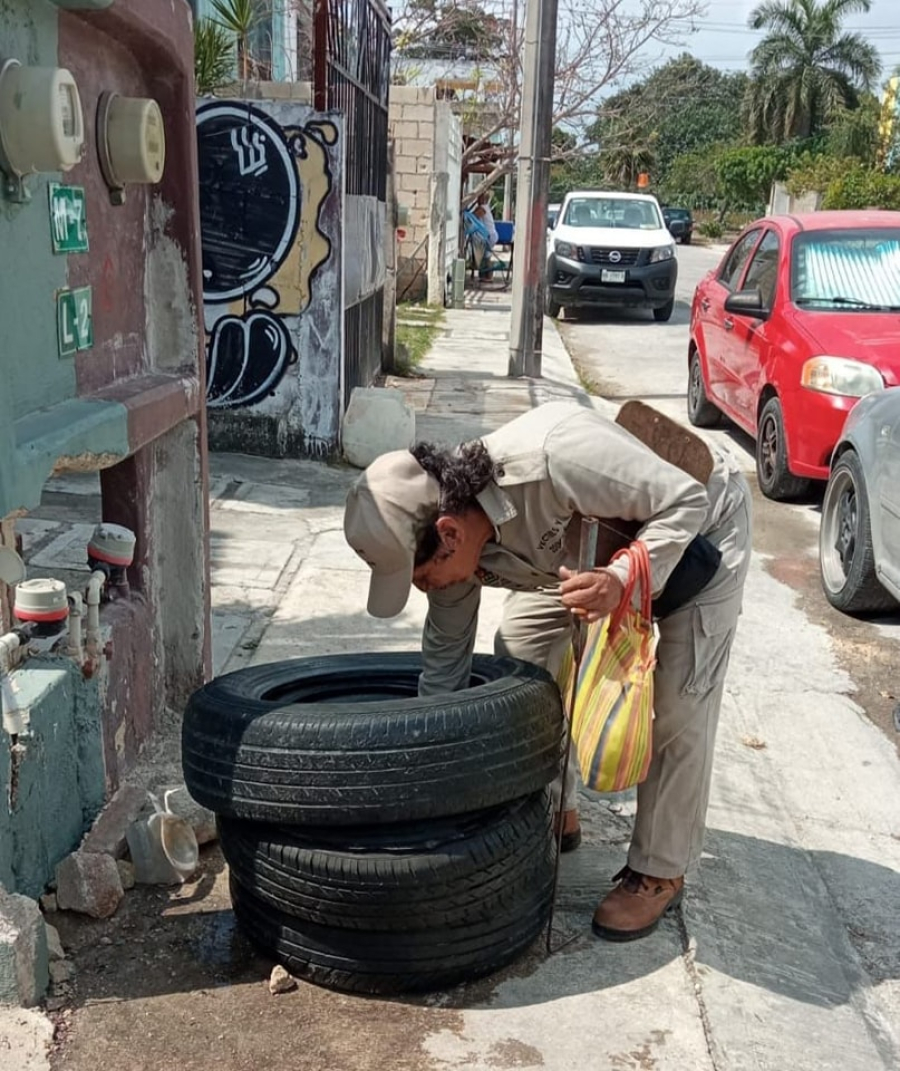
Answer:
(74, 321)
(68, 219)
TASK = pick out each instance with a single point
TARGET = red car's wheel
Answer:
(775, 479)
(701, 411)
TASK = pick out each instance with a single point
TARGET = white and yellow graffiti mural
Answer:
(270, 208)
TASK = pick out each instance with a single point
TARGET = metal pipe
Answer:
(92, 634)
(587, 560)
(76, 614)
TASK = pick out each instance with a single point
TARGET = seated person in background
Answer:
(485, 216)
(484, 213)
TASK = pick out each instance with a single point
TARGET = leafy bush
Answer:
(214, 57)
(846, 183)
(711, 228)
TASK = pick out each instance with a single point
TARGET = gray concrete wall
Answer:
(124, 410)
(427, 138)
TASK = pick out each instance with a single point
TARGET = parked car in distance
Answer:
(796, 324)
(859, 534)
(552, 213)
(680, 223)
(610, 249)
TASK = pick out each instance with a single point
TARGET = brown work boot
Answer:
(635, 906)
(571, 830)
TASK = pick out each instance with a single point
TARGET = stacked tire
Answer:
(378, 841)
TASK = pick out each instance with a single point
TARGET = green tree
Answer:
(856, 132)
(681, 107)
(692, 179)
(582, 171)
(746, 175)
(437, 30)
(806, 69)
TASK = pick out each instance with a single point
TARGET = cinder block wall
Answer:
(411, 126)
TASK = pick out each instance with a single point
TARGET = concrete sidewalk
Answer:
(785, 956)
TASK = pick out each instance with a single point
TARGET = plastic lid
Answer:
(41, 600)
(113, 544)
(179, 842)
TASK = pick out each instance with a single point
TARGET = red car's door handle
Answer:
(704, 304)
(729, 325)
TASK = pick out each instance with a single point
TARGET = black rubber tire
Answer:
(846, 554)
(359, 961)
(345, 740)
(445, 872)
(552, 308)
(686, 240)
(776, 481)
(700, 410)
(664, 313)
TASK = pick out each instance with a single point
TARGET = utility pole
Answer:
(527, 327)
(511, 135)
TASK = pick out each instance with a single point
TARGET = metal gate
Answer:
(351, 73)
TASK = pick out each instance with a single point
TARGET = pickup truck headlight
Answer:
(662, 252)
(841, 375)
(565, 249)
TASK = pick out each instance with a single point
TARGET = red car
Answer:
(799, 321)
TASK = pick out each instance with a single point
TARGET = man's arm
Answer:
(449, 638)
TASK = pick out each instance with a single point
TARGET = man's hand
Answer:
(593, 595)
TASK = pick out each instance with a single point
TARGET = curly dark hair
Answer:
(462, 474)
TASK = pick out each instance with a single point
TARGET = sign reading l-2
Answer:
(74, 321)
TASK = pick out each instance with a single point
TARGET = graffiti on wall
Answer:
(269, 231)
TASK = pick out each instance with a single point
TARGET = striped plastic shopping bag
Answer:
(612, 711)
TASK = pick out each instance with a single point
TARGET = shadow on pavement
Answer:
(764, 914)
(636, 317)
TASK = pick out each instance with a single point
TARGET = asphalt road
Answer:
(624, 355)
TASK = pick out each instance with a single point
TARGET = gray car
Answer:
(859, 537)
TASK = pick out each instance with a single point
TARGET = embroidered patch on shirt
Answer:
(553, 538)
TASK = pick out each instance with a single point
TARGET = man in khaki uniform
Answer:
(506, 511)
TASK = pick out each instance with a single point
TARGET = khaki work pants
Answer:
(692, 659)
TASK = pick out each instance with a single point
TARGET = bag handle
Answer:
(638, 574)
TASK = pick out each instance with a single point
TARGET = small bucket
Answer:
(163, 847)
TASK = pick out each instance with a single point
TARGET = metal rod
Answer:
(587, 559)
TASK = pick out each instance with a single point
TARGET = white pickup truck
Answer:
(610, 249)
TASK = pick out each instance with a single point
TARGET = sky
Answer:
(725, 39)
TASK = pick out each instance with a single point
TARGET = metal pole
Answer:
(511, 134)
(526, 329)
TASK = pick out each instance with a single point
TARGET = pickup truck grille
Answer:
(603, 255)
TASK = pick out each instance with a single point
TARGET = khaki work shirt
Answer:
(554, 465)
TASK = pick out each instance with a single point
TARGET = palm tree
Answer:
(238, 17)
(806, 69)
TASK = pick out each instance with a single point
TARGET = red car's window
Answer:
(737, 258)
(763, 270)
(857, 268)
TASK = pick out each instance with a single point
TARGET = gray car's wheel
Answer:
(552, 308)
(701, 411)
(776, 481)
(846, 554)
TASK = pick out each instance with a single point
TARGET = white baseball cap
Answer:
(387, 509)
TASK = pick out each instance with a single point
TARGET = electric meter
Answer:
(131, 141)
(41, 122)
